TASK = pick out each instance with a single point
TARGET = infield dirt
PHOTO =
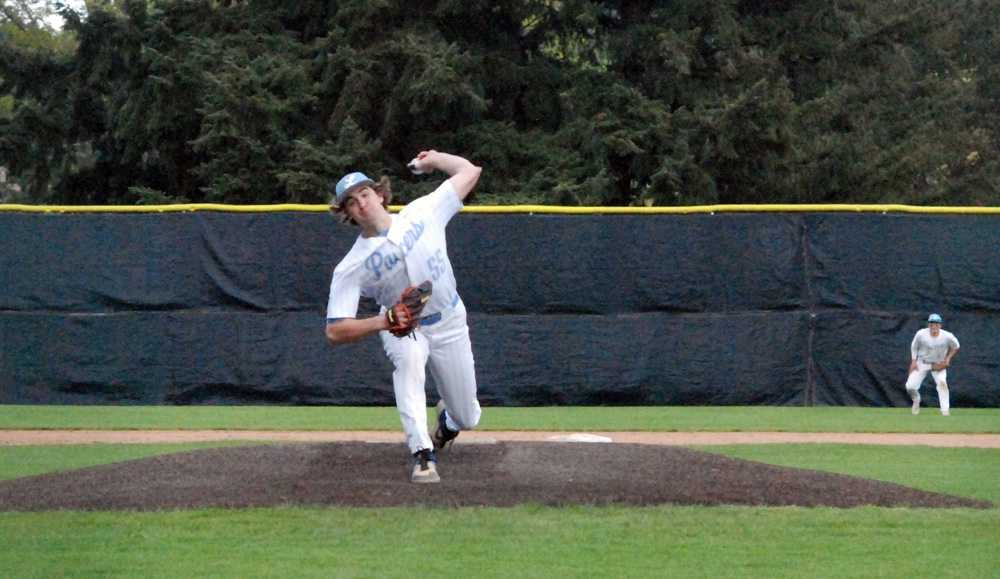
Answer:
(501, 473)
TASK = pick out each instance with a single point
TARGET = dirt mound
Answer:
(503, 474)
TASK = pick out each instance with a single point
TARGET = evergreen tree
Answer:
(580, 102)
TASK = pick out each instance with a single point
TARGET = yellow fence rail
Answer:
(507, 209)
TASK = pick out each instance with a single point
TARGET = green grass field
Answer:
(528, 541)
(604, 418)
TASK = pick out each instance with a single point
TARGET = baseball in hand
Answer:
(415, 167)
(418, 166)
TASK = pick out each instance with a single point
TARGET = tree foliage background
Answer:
(573, 102)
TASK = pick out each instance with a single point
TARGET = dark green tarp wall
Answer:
(701, 309)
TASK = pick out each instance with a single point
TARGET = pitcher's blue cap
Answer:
(348, 182)
(934, 319)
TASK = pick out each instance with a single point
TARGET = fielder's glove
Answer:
(939, 365)
(404, 316)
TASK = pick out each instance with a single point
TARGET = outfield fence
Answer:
(713, 305)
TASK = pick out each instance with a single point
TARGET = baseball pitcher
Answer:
(401, 261)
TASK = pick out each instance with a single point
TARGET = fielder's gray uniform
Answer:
(928, 350)
(413, 250)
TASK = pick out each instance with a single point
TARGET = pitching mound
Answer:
(504, 474)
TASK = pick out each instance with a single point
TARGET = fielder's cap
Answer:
(348, 182)
(934, 319)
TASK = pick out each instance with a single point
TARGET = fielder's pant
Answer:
(916, 378)
(445, 348)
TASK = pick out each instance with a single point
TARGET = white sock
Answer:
(943, 396)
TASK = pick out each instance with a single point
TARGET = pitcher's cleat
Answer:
(945, 413)
(442, 434)
(424, 467)
(915, 409)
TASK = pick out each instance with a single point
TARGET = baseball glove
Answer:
(404, 316)
(939, 365)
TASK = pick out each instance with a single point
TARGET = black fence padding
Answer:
(645, 359)
(101, 262)
(905, 263)
(602, 264)
(187, 358)
(702, 309)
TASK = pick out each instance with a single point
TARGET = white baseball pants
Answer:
(445, 348)
(916, 378)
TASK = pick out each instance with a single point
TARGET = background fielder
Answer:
(392, 253)
(931, 351)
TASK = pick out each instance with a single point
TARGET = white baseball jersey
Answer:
(928, 349)
(412, 251)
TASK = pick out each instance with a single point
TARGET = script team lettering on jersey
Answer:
(378, 262)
